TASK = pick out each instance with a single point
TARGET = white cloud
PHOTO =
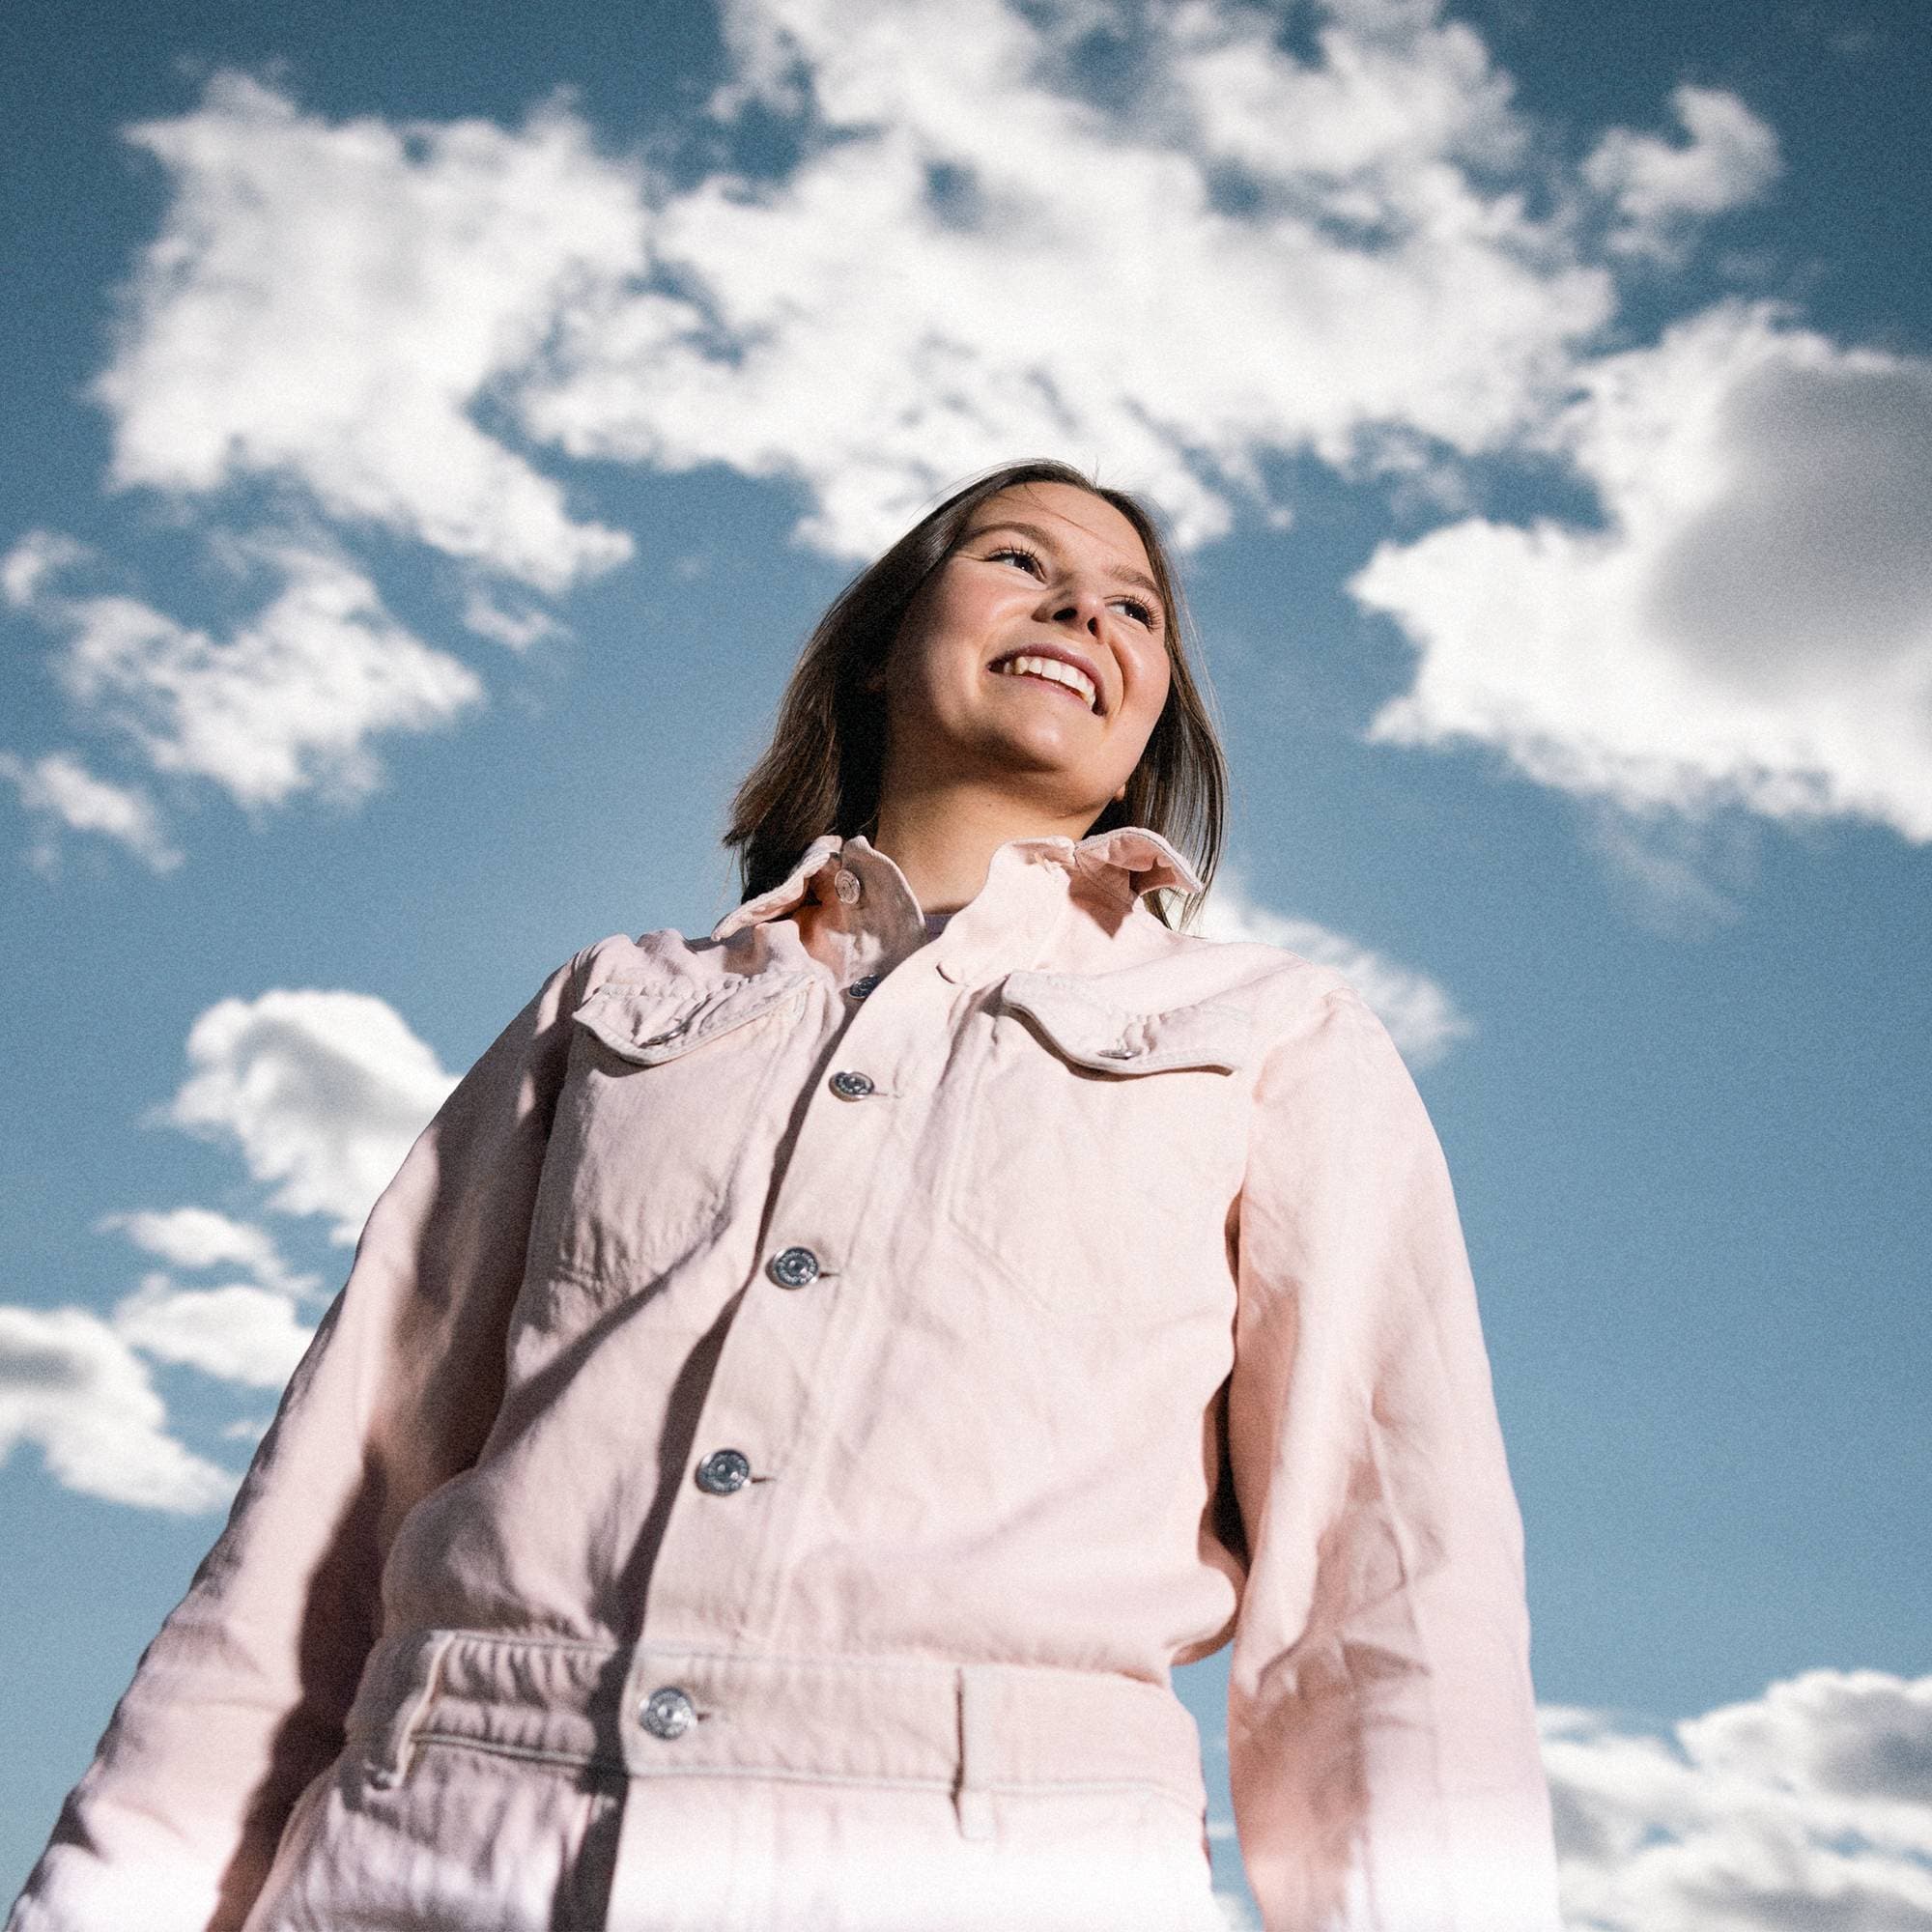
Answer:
(1014, 267)
(1753, 625)
(200, 1238)
(287, 702)
(1420, 1017)
(1251, 254)
(330, 304)
(517, 629)
(71, 1385)
(322, 1093)
(39, 555)
(1663, 190)
(1810, 1805)
(59, 792)
(237, 1333)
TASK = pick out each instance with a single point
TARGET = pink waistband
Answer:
(654, 1712)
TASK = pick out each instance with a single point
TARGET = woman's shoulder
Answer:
(665, 953)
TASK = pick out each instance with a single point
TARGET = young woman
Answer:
(809, 1385)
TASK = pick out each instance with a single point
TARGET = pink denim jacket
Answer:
(815, 1307)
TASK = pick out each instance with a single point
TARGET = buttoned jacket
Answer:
(1064, 1289)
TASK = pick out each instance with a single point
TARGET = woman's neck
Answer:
(943, 843)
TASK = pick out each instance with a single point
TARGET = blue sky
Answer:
(432, 432)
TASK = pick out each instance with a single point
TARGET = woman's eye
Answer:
(1142, 613)
(1027, 560)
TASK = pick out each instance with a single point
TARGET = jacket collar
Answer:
(1124, 863)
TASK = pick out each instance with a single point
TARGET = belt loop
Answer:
(388, 1755)
(975, 1722)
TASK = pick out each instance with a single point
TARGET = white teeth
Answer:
(1055, 669)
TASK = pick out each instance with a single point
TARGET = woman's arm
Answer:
(1386, 1774)
(239, 1701)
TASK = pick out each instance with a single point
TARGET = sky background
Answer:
(432, 431)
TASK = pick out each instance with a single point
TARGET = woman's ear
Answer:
(1119, 791)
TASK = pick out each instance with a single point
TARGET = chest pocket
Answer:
(650, 1022)
(1093, 1032)
(1101, 1150)
(662, 1121)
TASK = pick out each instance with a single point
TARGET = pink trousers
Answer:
(535, 1785)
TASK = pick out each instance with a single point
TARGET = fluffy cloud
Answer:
(1421, 1017)
(1246, 253)
(1805, 1807)
(1222, 253)
(322, 1092)
(328, 304)
(59, 792)
(322, 1095)
(1751, 624)
(237, 1333)
(1251, 254)
(287, 702)
(72, 1386)
(1661, 191)
(199, 1238)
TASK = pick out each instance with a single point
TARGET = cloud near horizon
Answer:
(1810, 1805)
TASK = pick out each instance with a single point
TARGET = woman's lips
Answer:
(1051, 666)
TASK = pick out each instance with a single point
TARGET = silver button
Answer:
(859, 989)
(846, 885)
(724, 1472)
(667, 1712)
(793, 1267)
(850, 1086)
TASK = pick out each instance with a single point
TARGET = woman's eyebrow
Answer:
(1124, 573)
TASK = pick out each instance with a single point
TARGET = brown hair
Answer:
(823, 767)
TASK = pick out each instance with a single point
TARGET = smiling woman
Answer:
(812, 1384)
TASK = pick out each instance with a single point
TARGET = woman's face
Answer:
(1038, 652)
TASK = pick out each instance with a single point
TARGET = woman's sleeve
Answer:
(240, 1700)
(1381, 1723)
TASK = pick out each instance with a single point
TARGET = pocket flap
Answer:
(1094, 1033)
(647, 1022)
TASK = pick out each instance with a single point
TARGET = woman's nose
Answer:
(1080, 606)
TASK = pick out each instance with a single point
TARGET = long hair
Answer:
(823, 767)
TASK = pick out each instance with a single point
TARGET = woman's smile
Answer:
(1056, 672)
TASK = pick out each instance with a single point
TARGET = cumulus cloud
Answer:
(1661, 191)
(1751, 624)
(237, 1333)
(1809, 1806)
(200, 1238)
(74, 1387)
(1251, 254)
(287, 702)
(322, 1092)
(60, 793)
(1422, 1018)
(328, 304)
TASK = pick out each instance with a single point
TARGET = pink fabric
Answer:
(1126, 1312)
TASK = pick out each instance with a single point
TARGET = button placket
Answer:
(776, 1380)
